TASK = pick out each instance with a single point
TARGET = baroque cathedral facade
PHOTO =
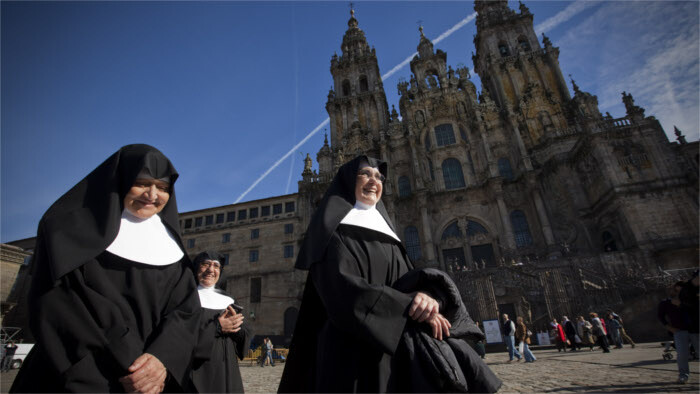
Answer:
(532, 200)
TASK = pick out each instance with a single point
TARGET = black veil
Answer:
(336, 203)
(83, 222)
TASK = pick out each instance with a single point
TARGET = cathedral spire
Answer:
(679, 135)
(573, 84)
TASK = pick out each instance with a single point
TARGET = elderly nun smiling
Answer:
(351, 319)
(112, 298)
(223, 336)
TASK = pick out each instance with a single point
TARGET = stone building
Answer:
(13, 260)
(536, 203)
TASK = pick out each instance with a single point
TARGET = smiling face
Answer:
(147, 197)
(208, 273)
(368, 185)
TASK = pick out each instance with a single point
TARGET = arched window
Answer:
(290, 320)
(364, 86)
(521, 230)
(524, 44)
(474, 228)
(503, 49)
(504, 168)
(609, 244)
(346, 88)
(452, 231)
(404, 186)
(412, 243)
(444, 134)
(463, 134)
(452, 173)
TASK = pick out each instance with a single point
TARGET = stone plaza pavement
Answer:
(641, 369)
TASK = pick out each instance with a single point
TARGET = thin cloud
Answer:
(564, 15)
(391, 72)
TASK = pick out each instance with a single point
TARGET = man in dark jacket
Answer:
(675, 320)
(570, 331)
(509, 336)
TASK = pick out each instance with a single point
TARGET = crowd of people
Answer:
(118, 306)
(603, 332)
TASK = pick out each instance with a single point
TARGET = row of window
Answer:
(453, 176)
(243, 214)
(254, 254)
(255, 233)
(444, 135)
(504, 49)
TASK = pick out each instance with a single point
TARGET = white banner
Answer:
(492, 329)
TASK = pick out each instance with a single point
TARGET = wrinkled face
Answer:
(368, 185)
(208, 273)
(147, 197)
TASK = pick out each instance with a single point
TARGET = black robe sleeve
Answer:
(373, 312)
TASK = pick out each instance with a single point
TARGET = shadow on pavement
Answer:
(632, 388)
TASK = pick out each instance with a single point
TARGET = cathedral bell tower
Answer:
(522, 77)
(357, 104)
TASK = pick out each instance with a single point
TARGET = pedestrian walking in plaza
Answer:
(583, 328)
(689, 302)
(558, 335)
(676, 320)
(571, 335)
(9, 350)
(599, 332)
(522, 336)
(509, 336)
(623, 333)
(613, 327)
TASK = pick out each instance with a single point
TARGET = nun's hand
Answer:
(440, 325)
(230, 321)
(147, 375)
(423, 307)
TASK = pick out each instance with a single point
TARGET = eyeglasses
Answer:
(367, 174)
(146, 184)
(210, 263)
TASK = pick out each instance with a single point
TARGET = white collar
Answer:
(145, 241)
(368, 216)
(210, 298)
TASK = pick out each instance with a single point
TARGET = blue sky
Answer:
(226, 89)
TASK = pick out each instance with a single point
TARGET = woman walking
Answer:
(522, 336)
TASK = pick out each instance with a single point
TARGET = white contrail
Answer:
(564, 15)
(391, 72)
(441, 37)
(283, 158)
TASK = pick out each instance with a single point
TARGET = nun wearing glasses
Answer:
(356, 323)
(223, 335)
(113, 301)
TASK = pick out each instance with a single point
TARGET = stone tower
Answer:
(522, 77)
(357, 104)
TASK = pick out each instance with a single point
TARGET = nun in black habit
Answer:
(113, 302)
(223, 335)
(351, 319)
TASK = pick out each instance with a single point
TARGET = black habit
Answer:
(215, 364)
(353, 333)
(215, 368)
(351, 319)
(92, 312)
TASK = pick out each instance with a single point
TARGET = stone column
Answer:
(544, 219)
(429, 249)
(527, 164)
(462, 223)
(505, 217)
